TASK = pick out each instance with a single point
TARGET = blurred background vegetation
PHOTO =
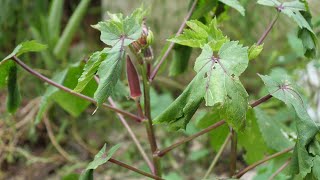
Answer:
(26, 151)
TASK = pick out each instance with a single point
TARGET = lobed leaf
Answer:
(222, 80)
(199, 34)
(283, 88)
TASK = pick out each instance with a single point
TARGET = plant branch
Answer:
(70, 91)
(252, 166)
(266, 32)
(233, 156)
(204, 131)
(155, 71)
(216, 158)
(119, 163)
(280, 169)
(261, 100)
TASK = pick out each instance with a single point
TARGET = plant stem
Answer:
(204, 131)
(70, 91)
(134, 169)
(216, 158)
(155, 71)
(261, 100)
(280, 169)
(266, 32)
(252, 166)
(233, 156)
(148, 123)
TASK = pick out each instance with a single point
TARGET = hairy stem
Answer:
(148, 123)
(70, 91)
(280, 169)
(233, 156)
(204, 131)
(119, 163)
(216, 158)
(261, 100)
(267, 31)
(155, 71)
(252, 166)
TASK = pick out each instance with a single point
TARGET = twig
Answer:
(280, 169)
(155, 71)
(204, 131)
(134, 169)
(70, 91)
(54, 142)
(252, 166)
(266, 32)
(261, 100)
(216, 158)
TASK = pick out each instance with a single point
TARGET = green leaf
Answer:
(291, 9)
(179, 113)
(203, 8)
(279, 138)
(45, 99)
(119, 32)
(199, 34)
(283, 88)
(180, 61)
(90, 69)
(254, 51)
(234, 4)
(14, 97)
(222, 84)
(109, 73)
(4, 72)
(99, 159)
(27, 46)
(251, 140)
(159, 102)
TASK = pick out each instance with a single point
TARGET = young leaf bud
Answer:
(133, 80)
(150, 38)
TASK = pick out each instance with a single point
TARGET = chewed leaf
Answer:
(222, 84)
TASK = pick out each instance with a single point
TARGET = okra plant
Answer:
(215, 87)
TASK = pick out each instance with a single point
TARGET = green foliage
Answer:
(222, 84)
(73, 105)
(64, 42)
(279, 138)
(283, 88)
(199, 34)
(14, 97)
(90, 69)
(179, 113)
(254, 51)
(251, 140)
(180, 61)
(27, 46)
(234, 4)
(99, 159)
(4, 72)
